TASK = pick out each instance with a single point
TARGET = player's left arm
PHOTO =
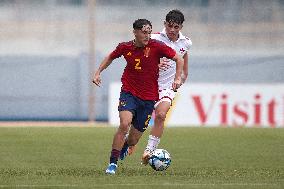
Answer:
(179, 67)
(188, 44)
(185, 68)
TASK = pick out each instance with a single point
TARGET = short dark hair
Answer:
(175, 16)
(139, 23)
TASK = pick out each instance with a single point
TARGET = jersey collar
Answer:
(135, 47)
(180, 36)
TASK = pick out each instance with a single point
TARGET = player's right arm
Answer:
(105, 63)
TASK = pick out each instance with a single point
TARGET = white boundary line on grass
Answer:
(192, 184)
(35, 186)
(11, 124)
(165, 184)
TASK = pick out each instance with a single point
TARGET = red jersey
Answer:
(140, 76)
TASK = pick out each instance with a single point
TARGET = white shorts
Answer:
(165, 95)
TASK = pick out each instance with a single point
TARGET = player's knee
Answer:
(122, 131)
(160, 116)
(124, 124)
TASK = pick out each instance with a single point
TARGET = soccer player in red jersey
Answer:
(139, 85)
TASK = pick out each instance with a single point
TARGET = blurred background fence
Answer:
(48, 49)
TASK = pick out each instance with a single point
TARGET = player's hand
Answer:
(176, 84)
(164, 64)
(97, 79)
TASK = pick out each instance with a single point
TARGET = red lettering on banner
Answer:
(257, 110)
(241, 113)
(271, 113)
(224, 110)
(200, 109)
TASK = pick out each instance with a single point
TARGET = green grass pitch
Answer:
(76, 157)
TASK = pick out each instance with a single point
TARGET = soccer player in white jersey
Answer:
(171, 36)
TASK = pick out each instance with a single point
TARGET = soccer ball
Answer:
(160, 160)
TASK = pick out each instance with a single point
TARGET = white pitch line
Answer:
(165, 184)
(16, 124)
(192, 184)
(35, 186)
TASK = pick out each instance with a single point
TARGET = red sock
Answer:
(114, 156)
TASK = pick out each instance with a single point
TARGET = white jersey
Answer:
(181, 46)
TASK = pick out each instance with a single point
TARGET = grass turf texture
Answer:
(34, 157)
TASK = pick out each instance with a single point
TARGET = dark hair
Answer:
(175, 16)
(139, 23)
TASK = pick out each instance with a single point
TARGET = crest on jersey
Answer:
(122, 103)
(129, 53)
(182, 50)
(147, 52)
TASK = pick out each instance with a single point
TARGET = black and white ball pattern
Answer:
(160, 160)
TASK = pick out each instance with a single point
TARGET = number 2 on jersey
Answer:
(138, 64)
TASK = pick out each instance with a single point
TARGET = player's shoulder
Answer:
(186, 41)
(126, 44)
(156, 42)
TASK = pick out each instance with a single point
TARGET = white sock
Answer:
(153, 143)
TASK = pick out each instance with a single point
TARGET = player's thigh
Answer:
(125, 117)
(126, 108)
(165, 95)
(143, 115)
